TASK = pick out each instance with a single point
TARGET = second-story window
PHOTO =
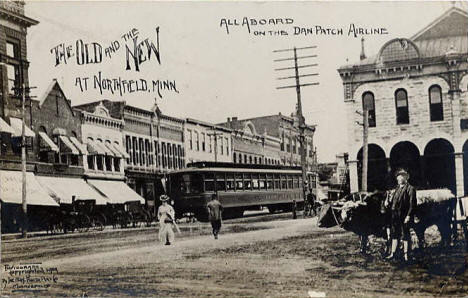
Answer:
(368, 103)
(401, 103)
(435, 102)
(203, 140)
(13, 67)
(190, 137)
(197, 141)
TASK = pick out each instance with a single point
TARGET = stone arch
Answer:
(406, 155)
(440, 164)
(377, 168)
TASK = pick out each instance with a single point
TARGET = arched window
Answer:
(435, 103)
(401, 104)
(369, 104)
(234, 158)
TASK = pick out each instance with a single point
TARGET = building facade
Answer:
(207, 142)
(415, 90)
(271, 139)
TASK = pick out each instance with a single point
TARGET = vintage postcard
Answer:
(234, 149)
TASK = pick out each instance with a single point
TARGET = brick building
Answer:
(270, 139)
(14, 74)
(416, 92)
(153, 144)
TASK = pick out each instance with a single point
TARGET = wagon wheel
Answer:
(135, 220)
(98, 225)
(84, 223)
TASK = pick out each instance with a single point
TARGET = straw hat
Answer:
(402, 172)
(164, 198)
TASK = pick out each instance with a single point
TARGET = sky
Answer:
(215, 74)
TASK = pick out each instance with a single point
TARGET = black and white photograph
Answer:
(233, 148)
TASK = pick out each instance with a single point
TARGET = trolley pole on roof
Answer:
(297, 85)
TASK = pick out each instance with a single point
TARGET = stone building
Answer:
(207, 142)
(416, 92)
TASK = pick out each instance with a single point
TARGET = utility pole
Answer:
(365, 146)
(297, 86)
(365, 150)
(21, 93)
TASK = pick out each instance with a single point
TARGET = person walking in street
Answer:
(215, 210)
(166, 217)
(403, 204)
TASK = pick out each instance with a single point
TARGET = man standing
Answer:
(403, 204)
(214, 214)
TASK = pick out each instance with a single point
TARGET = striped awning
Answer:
(17, 125)
(116, 191)
(93, 148)
(114, 151)
(104, 148)
(63, 190)
(11, 190)
(81, 147)
(68, 146)
(4, 127)
(121, 151)
(46, 143)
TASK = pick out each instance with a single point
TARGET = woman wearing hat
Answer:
(166, 216)
(403, 204)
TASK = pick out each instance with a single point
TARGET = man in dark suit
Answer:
(403, 204)
(215, 210)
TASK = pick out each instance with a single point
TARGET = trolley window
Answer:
(247, 182)
(290, 181)
(269, 180)
(262, 181)
(277, 181)
(220, 182)
(284, 182)
(230, 181)
(209, 182)
(239, 182)
(255, 182)
(188, 183)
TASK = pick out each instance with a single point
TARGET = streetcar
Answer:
(239, 187)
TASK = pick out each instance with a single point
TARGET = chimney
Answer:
(363, 54)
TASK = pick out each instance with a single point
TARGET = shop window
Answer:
(435, 102)
(401, 103)
(369, 104)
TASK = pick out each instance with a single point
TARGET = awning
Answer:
(46, 143)
(93, 148)
(63, 189)
(121, 151)
(11, 189)
(104, 148)
(69, 147)
(114, 151)
(17, 125)
(116, 191)
(4, 127)
(79, 145)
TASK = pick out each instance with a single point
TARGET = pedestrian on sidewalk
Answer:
(215, 210)
(166, 217)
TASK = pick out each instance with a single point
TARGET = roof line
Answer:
(433, 23)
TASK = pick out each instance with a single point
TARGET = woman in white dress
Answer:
(166, 216)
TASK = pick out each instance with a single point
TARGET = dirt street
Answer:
(283, 258)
